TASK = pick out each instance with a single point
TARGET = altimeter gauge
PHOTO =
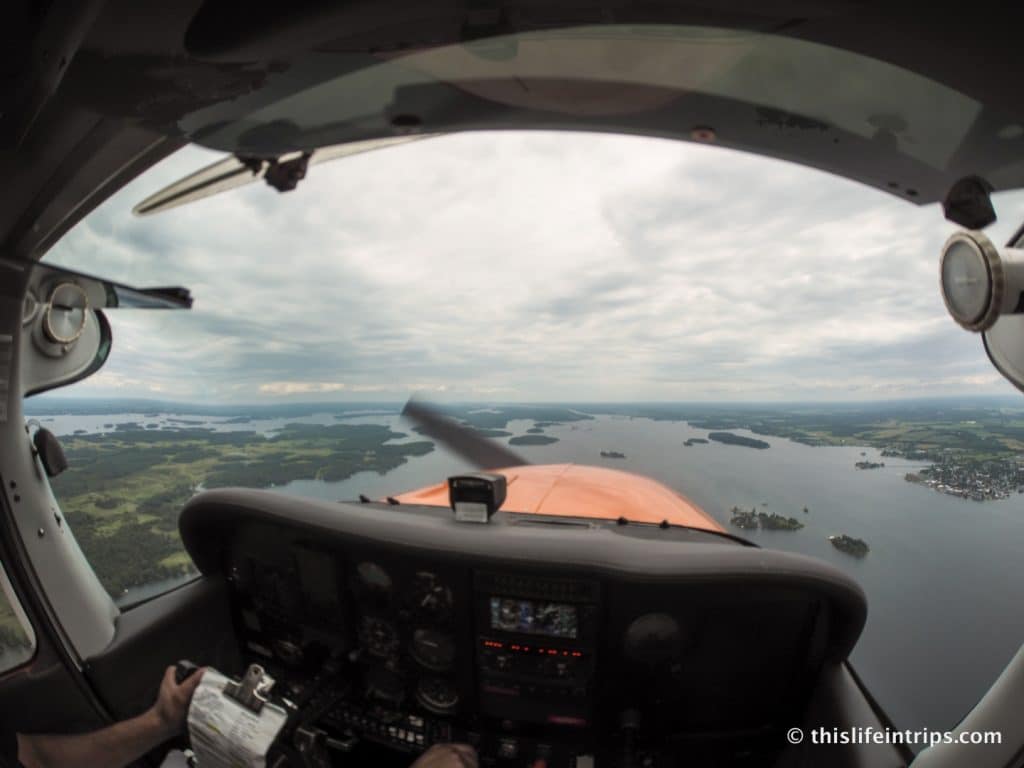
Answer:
(437, 695)
(431, 598)
(65, 313)
(433, 650)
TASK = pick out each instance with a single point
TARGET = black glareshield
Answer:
(476, 496)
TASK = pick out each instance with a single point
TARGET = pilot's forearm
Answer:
(112, 747)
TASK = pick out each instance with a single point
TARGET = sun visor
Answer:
(65, 336)
(99, 292)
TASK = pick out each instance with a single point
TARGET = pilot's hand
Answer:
(171, 706)
(448, 756)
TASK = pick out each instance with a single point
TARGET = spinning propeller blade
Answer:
(460, 439)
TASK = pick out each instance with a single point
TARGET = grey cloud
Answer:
(544, 266)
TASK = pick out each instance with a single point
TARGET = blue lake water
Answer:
(941, 578)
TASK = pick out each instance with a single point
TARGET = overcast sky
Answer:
(535, 266)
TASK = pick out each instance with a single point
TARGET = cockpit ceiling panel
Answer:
(822, 106)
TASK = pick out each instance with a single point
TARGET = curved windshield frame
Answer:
(611, 294)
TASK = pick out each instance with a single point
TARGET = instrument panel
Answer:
(526, 642)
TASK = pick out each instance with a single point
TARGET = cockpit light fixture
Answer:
(979, 281)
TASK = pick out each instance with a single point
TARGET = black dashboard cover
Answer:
(211, 521)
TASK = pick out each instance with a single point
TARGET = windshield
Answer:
(766, 339)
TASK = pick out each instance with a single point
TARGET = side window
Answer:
(127, 480)
(17, 640)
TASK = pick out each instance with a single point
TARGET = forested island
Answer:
(695, 441)
(730, 439)
(612, 455)
(492, 433)
(770, 522)
(533, 440)
(851, 546)
(869, 465)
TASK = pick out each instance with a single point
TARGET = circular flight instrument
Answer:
(433, 650)
(652, 639)
(437, 695)
(383, 684)
(372, 581)
(378, 637)
(65, 313)
(431, 598)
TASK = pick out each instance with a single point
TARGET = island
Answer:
(851, 546)
(745, 520)
(730, 439)
(776, 522)
(492, 432)
(695, 441)
(973, 447)
(869, 464)
(81, 431)
(612, 455)
(535, 431)
(769, 522)
(533, 440)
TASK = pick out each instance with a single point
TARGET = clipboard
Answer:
(232, 723)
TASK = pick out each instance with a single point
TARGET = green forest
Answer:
(124, 490)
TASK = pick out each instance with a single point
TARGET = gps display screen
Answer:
(530, 617)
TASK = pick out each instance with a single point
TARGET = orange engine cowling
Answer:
(573, 490)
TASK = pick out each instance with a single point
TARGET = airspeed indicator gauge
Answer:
(65, 313)
(437, 695)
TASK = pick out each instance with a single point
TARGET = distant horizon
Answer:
(39, 403)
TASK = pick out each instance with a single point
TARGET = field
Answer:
(974, 432)
(15, 646)
(974, 435)
(124, 490)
